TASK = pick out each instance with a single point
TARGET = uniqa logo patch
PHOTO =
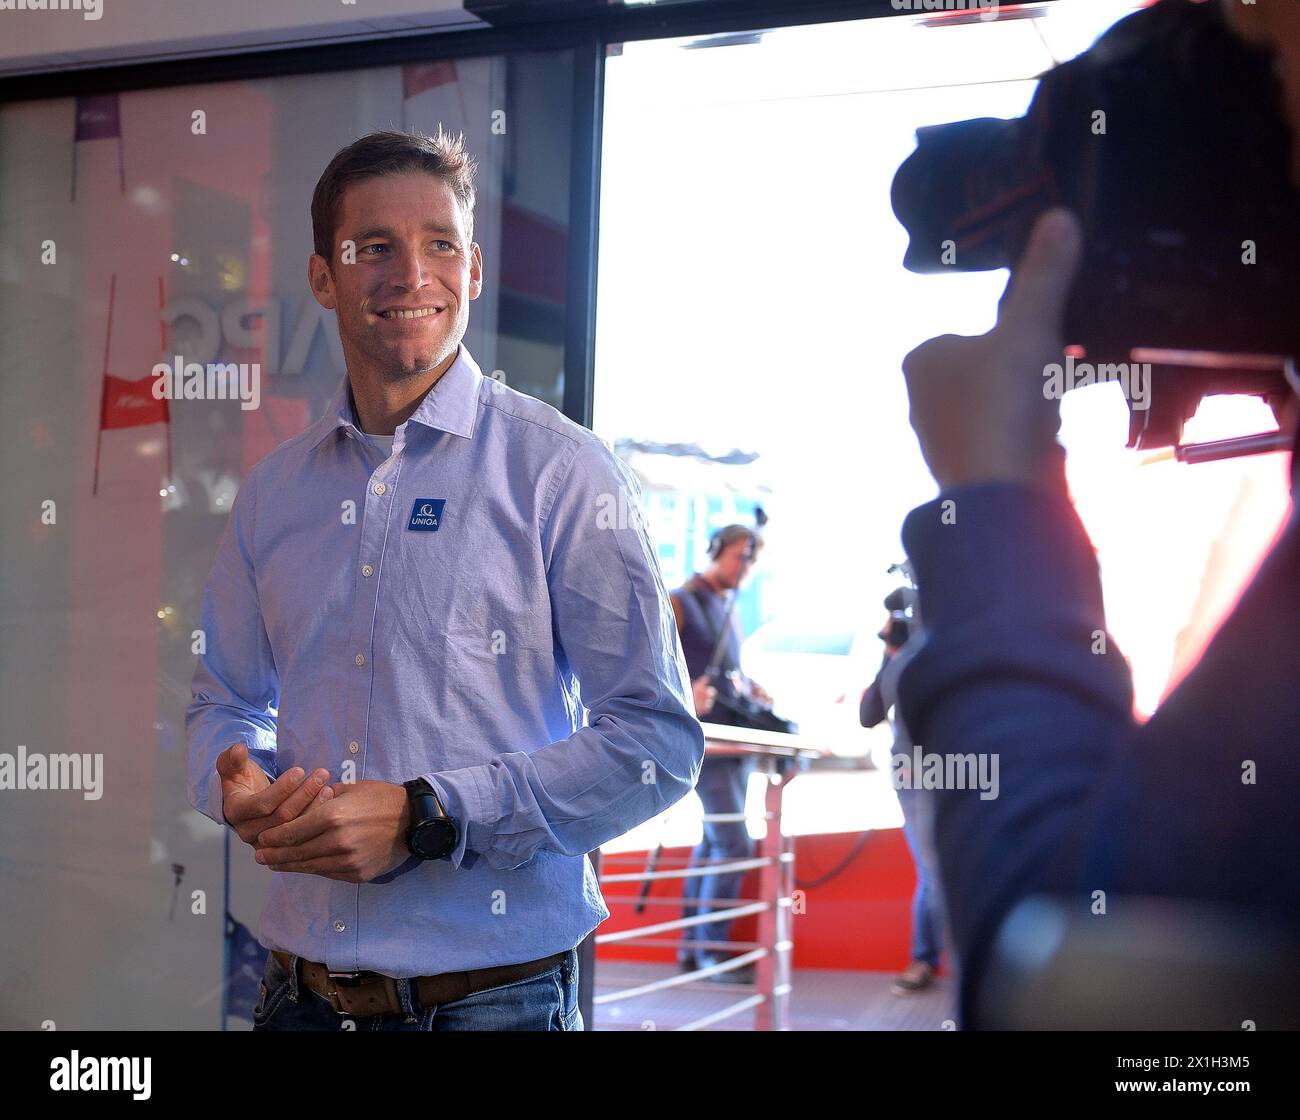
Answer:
(426, 514)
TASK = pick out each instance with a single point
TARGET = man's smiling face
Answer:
(403, 306)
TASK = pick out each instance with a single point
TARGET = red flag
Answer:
(130, 404)
(127, 403)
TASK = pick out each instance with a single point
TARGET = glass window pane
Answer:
(175, 221)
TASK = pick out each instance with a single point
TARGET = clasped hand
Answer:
(350, 831)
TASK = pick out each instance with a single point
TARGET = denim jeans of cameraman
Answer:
(546, 1002)
(722, 786)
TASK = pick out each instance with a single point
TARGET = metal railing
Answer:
(779, 757)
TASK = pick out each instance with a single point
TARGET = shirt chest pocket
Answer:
(506, 607)
(478, 585)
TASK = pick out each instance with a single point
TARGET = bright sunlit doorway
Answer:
(752, 316)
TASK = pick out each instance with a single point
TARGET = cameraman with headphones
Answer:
(1196, 809)
(710, 633)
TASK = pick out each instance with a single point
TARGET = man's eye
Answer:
(444, 244)
(367, 248)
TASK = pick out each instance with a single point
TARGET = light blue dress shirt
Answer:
(448, 611)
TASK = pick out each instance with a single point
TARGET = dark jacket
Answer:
(1091, 800)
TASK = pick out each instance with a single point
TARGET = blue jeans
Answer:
(546, 1002)
(721, 787)
(927, 909)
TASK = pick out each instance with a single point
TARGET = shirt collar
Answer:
(450, 406)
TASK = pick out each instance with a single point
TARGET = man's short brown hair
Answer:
(391, 153)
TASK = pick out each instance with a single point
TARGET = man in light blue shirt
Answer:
(441, 609)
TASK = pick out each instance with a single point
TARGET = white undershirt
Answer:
(384, 443)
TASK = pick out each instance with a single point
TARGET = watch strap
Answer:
(419, 788)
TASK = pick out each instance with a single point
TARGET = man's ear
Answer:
(475, 271)
(321, 282)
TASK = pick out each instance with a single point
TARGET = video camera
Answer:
(900, 604)
(1168, 140)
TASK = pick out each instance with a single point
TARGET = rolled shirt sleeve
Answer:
(617, 647)
(235, 689)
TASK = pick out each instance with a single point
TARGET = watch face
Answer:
(434, 839)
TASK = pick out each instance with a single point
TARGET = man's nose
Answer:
(409, 270)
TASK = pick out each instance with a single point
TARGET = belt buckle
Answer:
(344, 980)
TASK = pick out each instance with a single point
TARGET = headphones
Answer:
(716, 545)
(728, 533)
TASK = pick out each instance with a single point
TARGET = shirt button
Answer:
(367, 570)
(354, 746)
(361, 658)
(380, 487)
(339, 927)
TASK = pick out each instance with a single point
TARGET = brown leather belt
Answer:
(371, 993)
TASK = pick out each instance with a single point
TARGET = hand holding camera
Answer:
(978, 405)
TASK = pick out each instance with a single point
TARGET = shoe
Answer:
(916, 978)
(742, 975)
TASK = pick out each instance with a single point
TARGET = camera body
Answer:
(1167, 139)
(901, 604)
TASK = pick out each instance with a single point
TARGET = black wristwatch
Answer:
(433, 834)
